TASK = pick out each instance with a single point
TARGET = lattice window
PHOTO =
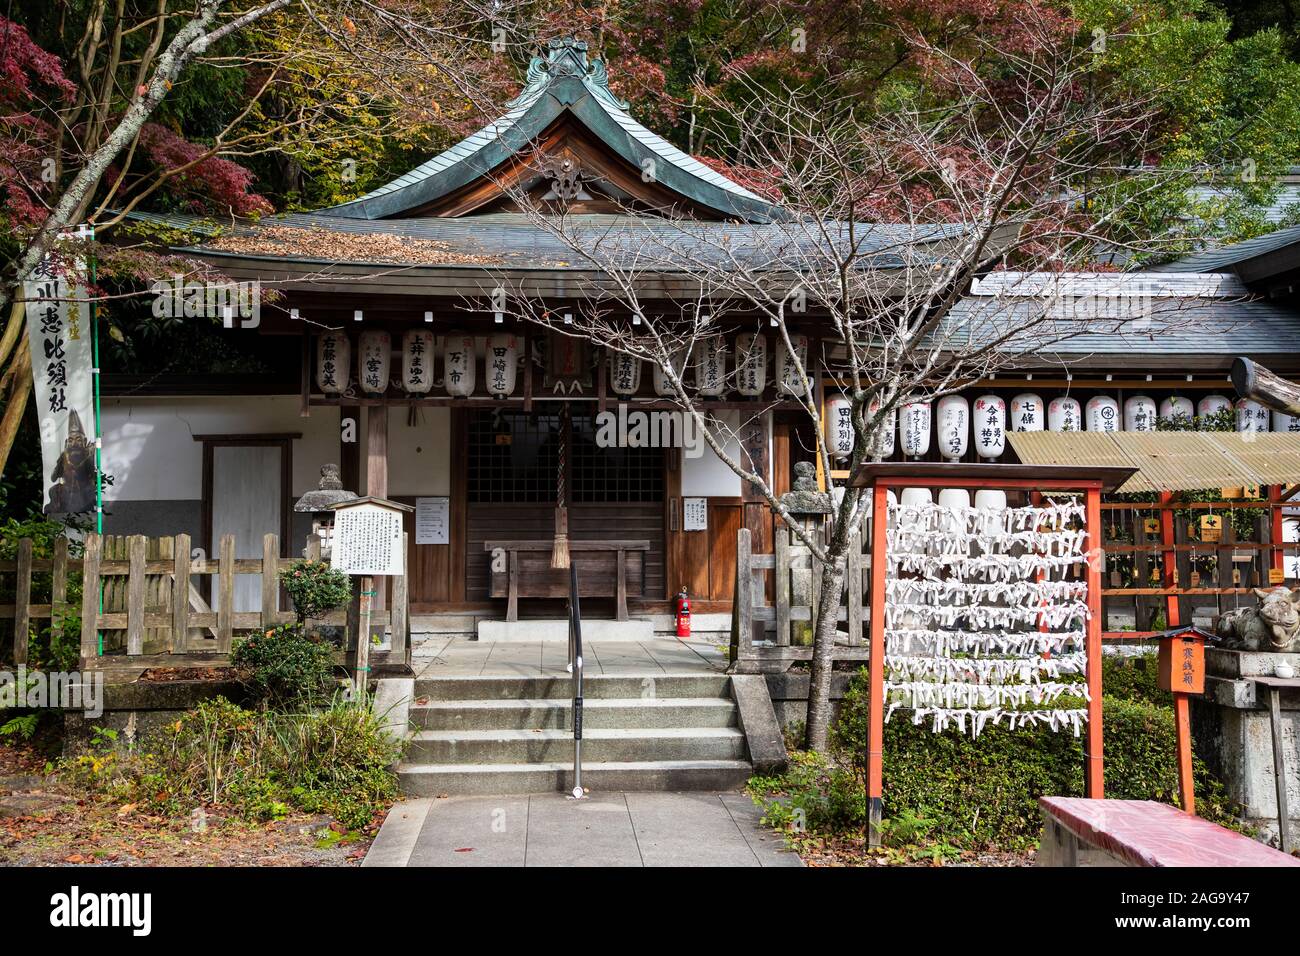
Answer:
(513, 458)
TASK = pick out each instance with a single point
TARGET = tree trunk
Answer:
(17, 404)
(819, 683)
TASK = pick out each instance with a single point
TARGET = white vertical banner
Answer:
(59, 334)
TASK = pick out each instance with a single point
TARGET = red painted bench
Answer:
(1082, 832)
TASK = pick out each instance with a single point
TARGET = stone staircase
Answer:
(504, 735)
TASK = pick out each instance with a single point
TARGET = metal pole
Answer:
(575, 639)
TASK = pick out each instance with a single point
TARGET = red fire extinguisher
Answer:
(683, 603)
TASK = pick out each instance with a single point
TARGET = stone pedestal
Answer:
(1233, 735)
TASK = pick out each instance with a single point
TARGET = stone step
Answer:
(554, 713)
(547, 746)
(433, 780)
(632, 686)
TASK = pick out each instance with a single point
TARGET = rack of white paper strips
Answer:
(982, 621)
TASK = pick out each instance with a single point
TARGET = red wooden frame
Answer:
(879, 486)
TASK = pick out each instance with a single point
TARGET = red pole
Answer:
(876, 662)
(1183, 730)
(1093, 772)
(1182, 710)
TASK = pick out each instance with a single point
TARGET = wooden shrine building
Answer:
(394, 364)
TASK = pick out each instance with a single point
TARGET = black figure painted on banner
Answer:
(73, 488)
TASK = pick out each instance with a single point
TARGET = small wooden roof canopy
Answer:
(1170, 461)
(974, 474)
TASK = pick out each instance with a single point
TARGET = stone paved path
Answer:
(606, 829)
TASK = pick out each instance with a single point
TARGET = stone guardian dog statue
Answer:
(1273, 626)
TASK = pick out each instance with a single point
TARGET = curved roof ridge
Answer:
(528, 114)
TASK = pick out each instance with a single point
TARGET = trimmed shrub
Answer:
(315, 588)
(285, 667)
(983, 792)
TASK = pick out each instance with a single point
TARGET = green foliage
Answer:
(315, 588)
(285, 667)
(261, 765)
(24, 726)
(948, 791)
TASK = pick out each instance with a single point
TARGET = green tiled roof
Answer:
(563, 81)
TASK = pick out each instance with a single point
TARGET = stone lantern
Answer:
(320, 504)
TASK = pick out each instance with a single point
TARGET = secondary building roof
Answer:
(1170, 461)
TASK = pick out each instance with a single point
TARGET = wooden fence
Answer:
(149, 593)
(775, 624)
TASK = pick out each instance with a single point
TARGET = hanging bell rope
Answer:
(560, 546)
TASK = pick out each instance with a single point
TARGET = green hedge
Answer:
(983, 792)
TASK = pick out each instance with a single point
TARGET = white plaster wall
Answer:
(150, 450)
(708, 475)
(419, 455)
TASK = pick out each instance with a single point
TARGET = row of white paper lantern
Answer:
(374, 364)
(988, 421)
(375, 358)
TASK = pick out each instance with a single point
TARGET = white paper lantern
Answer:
(333, 363)
(885, 437)
(501, 363)
(839, 427)
(1175, 406)
(710, 366)
(953, 428)
(1252, 417)
(751, 363)
(374, 359)
(787, 367)
(1140, 414)
(1064, 415)
(1282, 422)
(914, 428)
(1212, 405)
(624, 373)
(417, 361)
(459, 364)
(1103, 414)
(1028, 413)
(663, 388)
(990, 425)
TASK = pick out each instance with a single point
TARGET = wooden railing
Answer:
(155, 602)
(1163, 569)
(762, 634)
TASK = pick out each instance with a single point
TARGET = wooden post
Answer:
(58, 587)
(1093, 771)
(1183, 736)
(226, 594)
(361, 677)
(377, 466)
(270, 580)
(876, 663)
(90, 599)
(854, 570)
(181, 594)
(400, 624)
(135, 596)
(1279, 769)
(23, 601)
(743, 610)
(620, 588)
(781, 590)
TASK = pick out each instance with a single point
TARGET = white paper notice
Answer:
(695, 514)
(367, 540)
(432, 520)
